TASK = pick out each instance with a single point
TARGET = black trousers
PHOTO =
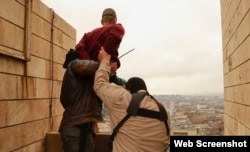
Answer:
(78, 138)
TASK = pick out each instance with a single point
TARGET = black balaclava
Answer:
(135, 84)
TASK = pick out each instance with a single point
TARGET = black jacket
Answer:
(77, 95)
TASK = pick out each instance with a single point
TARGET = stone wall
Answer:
(33, 44)
(236, 54)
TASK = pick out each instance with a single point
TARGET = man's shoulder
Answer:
(118, 25)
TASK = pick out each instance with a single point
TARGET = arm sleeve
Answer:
(81, 49)
(113, 40)
(102, 76)
(113, 96)
(117, 80)
(84, 67)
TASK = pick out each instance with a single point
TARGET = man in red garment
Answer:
(109, 36)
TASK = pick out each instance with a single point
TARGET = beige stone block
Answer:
(225, 5)
(228, 130)
(64, 26)
(224, 55)
(233, 37)
(247, 118)
(243, 30)
(21, 2)
(241, 94)
(246, 4)
(243, 9)
(227, 66)
(232, 51)
(57, 89)
(11, 65)
(232, 94)
(39, 68)
(3, 113)
(234, 126)
(38, 146)
(41, 27)
(226, 48)
(41, 48)
(11, 52)
(42, 10)
(59, 54)
(18, 136)
(241, 55)
(56, 122)
(34, 88)
(8, 85)
(21, 111)
(229, 79)
(58, 72)
(230, 48)
(244, 73)
(243, 130)
(228, 28)
(58, 37)
(225, 51)
(246, 95)
(68, 42)
(11, 35)
(241, 113)
(223, 8)
(230, 121)
(20, 88)
(230, 109)
(239, 75)
(57, 107)
(13, 12)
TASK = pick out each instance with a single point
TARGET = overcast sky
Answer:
(178, 43)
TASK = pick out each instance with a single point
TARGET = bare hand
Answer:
(103, 55)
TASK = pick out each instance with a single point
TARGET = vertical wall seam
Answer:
(51, 122)
(28, 26)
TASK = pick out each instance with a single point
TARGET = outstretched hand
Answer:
(103, 55)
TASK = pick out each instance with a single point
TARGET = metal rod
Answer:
(126, 53)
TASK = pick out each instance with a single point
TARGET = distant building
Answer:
(205, 111)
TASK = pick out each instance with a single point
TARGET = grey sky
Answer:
(178, 43)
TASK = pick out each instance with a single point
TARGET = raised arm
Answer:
(84, 67)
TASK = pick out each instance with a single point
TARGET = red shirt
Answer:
(109, 37)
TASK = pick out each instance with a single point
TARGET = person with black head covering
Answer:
(135, 84)
(138, 134)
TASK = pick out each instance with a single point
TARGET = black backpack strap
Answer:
(160, 115)
(135, 110)
(116, 129)
(163, 115)
(149, 113)
(132, 110)
(135, 103)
